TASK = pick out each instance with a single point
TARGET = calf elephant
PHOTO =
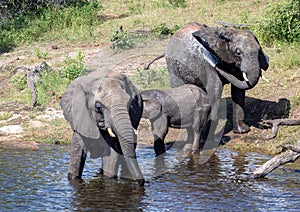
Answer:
(210, 57)
(184, 107)
(103, 109)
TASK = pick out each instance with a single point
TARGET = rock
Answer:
(36, 124)
(11, 129)
(51, 113)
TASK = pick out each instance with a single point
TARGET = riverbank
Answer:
(268, 100)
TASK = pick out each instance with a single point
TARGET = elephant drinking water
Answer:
(103, 109)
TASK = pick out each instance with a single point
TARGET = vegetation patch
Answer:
(281, 23)
(152, 78)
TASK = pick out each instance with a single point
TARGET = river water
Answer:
(36, 181)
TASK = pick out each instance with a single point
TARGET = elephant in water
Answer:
(104, 109)
(186, 106)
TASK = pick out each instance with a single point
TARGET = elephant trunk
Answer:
(127, 139)
(251, 74)
(251, 68)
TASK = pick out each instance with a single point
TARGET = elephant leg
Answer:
(196, 141)
(192, 140)
(77, 159)
(238, 104)
(110, 163)
(159, 131)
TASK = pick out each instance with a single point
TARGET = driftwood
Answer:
(33, 76)
(291, 154)
(152, 61)
(277, 122)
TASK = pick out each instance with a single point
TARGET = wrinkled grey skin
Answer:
(184, 107)
(94, 103)
(237, 51)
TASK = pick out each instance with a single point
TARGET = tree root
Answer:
(276, 123)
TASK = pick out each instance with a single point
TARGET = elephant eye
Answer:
(98, 107)
(238, 52)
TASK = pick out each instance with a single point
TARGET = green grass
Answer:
(152, 78)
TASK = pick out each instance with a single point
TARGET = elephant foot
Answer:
(159, 153)
(196, 152)
(240, 128)
(140, 182)
(74, 178)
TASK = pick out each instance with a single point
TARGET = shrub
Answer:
(49, 22)
(152, 78)
(280, 23)
(163, 29)
(74, 67)
(121, 40)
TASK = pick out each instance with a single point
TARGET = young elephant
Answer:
(186, 106)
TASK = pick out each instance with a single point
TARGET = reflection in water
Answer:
(36, 181)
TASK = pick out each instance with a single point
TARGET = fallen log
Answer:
(33, 76)
(291, 154)
(275, 123)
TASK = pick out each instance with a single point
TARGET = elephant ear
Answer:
(263, 60)
(215, 40)
(136, 103)
(83, 121)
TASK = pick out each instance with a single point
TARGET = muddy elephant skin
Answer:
(238, 60)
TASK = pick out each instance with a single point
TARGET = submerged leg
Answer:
(159, 131)
(77, 159)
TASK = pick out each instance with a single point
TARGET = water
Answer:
(36, 181)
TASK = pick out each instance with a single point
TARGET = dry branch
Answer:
(277, 122)
(291, 155)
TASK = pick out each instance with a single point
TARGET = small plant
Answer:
(20, 81)
(121, 40)
(40, 54)
(178, 3)
(152, 78)
(163, 29)
(5, 115)
(74, 67)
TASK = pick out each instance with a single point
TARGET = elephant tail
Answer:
(152, 61)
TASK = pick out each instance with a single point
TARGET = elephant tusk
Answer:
(264, 78)
(245, 77)
(135, 131)
(110, 132)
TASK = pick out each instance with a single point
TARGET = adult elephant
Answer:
(103, 109)
(210, 57)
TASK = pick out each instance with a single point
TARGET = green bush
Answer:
(152, 78)
(121, 40)
(281, 23)
(163, 29)
(74, 67)
(46, 23)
